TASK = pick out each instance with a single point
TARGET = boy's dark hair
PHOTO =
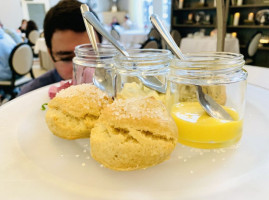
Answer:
(65, 15)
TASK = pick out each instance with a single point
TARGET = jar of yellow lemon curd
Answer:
(97, 67)
(221, 76)
(143, 73)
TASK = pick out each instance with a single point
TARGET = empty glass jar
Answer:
(143, 73)
(222, 77)
(95, 67)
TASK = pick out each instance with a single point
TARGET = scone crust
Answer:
(74, 111)
(133, 134)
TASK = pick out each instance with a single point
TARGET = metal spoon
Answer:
(84, 8)
(212, 106)
(209, 105)
(149, 81)
(100, 74)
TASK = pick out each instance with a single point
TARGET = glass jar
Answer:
(222, 77)
(95, 67)
(143, 73)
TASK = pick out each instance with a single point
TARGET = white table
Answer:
(258, 76)
(41, 49)
(207, 44)
(40, 45)
(131, 38)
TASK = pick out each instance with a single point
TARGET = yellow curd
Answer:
(197, 129)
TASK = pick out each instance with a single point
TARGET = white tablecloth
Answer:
(207, 43)
(258, 76)
(40, 45)
(130, 38)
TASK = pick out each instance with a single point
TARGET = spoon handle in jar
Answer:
(99, 27)
(84, 8)
(166, 36)
(211, 106)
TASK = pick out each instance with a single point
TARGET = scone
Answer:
(133, 134)
(74, 111)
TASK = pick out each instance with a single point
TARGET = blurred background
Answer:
(12, 12)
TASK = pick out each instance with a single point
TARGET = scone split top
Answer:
(141, 113)
(73, 112)
(133, 134)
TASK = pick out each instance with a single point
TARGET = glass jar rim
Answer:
(144, 59)
(208, 68)
(87, 51)
(138, 54)
(209, 61)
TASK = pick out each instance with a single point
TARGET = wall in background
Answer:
(11, 13)
(35, 10)
(102, 5)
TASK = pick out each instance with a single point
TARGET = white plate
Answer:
(34, 164)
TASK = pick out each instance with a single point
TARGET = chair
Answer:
(33, 36)
(21, 63)
(176, 36)
(150, 43)
(252, 47)
(163, 44)
(154, 34)
(153, 38)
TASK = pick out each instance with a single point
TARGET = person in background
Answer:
(127, 24)
(64, 29)
(7, 44)
(12, 33)
(115, 22)
(23, 26)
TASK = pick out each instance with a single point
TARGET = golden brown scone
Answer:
(133, 134)
(73, 112)
(188, 93)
